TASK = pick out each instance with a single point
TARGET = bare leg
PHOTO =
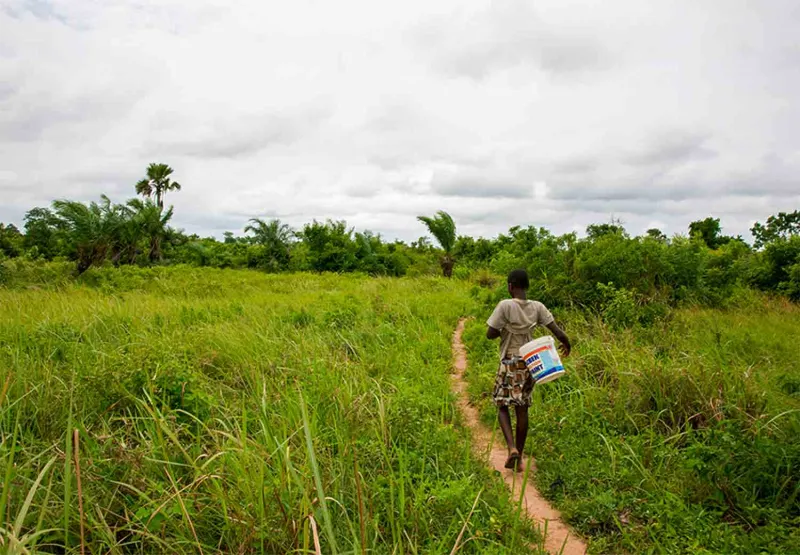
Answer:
(522, 427)
(505, 424)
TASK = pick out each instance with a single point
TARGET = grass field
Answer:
(679, 438)
(234, 411)
(216, 410)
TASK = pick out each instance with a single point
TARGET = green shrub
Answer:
(24, 272)
(619, 307)
(791, 287)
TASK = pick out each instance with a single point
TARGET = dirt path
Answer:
(535, 506)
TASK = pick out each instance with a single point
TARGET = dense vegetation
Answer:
(606, 270)
(566, 267)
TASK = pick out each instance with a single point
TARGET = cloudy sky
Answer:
(557, 113)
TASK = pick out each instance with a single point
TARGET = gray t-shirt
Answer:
(515, 320)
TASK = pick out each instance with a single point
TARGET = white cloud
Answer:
(556, 112)
(508, 34)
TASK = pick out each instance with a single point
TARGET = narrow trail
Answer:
(560, 539)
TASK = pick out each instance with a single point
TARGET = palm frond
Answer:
(167, 216)
(144, 188)
(443, 228)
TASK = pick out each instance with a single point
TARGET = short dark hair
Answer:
(519, 278)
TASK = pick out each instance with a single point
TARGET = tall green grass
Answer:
(681, 437)
(231, 411)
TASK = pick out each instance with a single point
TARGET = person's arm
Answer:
(565, 347)
(496, 322)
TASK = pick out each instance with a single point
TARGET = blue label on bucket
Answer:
(543, 365)
(547, 358)
(534, 360)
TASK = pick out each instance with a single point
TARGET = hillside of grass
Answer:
(679, 437)
(233, 411)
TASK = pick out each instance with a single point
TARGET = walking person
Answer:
(513, 321)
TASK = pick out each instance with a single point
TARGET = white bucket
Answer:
(542, 360)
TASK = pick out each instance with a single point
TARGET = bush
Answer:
(485, 278)
(772, 268)
(619, 306)
(461, 272)
(22, 272)
(791, 287)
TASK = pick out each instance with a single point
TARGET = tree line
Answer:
(607, 267)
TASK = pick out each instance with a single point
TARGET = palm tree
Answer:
(93, 228)
(127, 238)
(148, 217)
(157, 183)
(443, 228)
(273, 235)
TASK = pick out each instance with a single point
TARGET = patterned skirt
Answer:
(513, 384)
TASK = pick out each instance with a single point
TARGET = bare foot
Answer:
(513, 459)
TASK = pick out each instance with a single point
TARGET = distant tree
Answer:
(10, 240)
(44, 233)
(275, 237)
(423, 244)
(269, 233)
(127, 238)
(93, 228)
(157, 183)
(781, 226)
(521, 241)
(443, 228)
(464, 246)
(709, 231)
(369, 249)
(152, 221)
(474, 251)
(330, 246)
(484, 250)
(229, 238)
(657, 234)
(595, 231)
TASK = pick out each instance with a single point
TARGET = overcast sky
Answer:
(557, 113)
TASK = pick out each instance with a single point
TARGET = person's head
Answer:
(518, 283)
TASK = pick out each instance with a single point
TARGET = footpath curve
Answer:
(559, 539)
